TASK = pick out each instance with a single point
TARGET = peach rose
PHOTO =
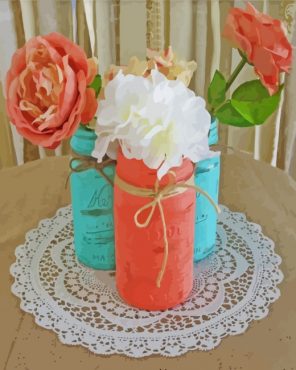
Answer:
(47, 89)
(264, 42)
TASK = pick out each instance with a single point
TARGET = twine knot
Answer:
(80, 163)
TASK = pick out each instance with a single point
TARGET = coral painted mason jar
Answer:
(140, 250)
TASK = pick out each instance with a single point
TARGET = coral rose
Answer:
(264, 42)
(47, 89)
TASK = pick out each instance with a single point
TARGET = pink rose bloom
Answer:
(264, 42)
(47, 89)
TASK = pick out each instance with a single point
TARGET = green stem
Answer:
(231, 79)
(235, 73)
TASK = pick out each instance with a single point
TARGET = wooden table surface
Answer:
(267, 196)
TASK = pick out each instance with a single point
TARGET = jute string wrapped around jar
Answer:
(84, 162)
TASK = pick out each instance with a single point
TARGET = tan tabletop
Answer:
(267, 196)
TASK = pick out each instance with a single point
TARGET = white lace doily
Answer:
(232, 287)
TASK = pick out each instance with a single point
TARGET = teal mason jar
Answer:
(207, 175)
(92, 204)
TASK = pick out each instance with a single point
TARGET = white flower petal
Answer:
(101, 147)
(112, 149)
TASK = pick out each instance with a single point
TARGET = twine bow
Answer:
(84, 163)
(158, 195)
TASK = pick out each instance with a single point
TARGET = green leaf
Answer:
(96, 84)
(253, 101)
(228, 115)
(217, 90)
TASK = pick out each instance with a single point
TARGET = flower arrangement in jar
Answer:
(155, 128)
(158, 133)
(51, 91)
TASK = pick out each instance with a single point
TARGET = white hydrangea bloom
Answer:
(157, 120)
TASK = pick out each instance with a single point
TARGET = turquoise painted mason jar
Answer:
(92, 204)
(207, 176)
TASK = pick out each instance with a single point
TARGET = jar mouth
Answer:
(85, 133)
(207, 165)
(213, 132)
(136, 173)
(83, 141)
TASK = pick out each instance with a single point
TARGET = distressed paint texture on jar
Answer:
(92, 203)
(207, 176)
(140, 251)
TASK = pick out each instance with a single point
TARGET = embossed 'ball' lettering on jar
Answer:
(140, 250)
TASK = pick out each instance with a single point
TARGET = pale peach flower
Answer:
(169, 65)
(166, 62)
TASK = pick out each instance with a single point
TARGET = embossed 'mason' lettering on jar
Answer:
(140, 250)
(92, 203)
(172, 232)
